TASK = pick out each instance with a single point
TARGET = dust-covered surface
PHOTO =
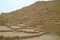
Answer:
(39, 21)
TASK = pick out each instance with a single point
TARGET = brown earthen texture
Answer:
(45, 16)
